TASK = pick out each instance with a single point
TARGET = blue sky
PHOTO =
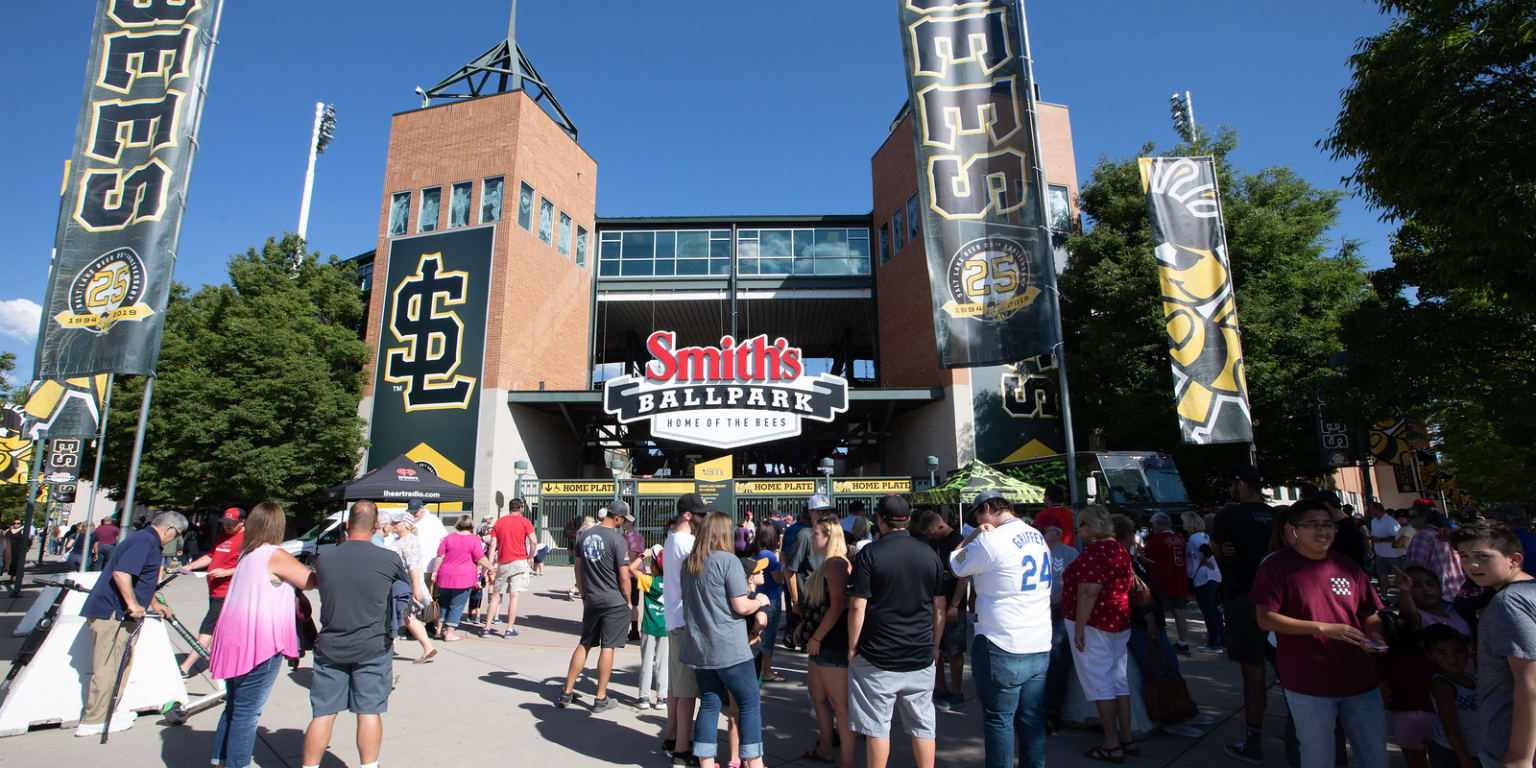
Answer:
(691, 107)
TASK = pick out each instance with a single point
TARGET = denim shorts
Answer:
(831, 657)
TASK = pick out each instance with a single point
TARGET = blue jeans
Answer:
(245, 696)
(1365, 725)
(771, 632)
(1153, 662)
(1011, 689)
(1060, 670)
(1208, 596)
(740, 682)
(452, 602)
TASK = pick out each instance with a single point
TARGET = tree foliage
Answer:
(1439, 119)
(1292, 288)
(256, 395)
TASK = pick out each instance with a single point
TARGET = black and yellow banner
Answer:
(1017, 411)
(125, 188)
(990, 263)
(65, 408)
(1199, 308)
(427, 379)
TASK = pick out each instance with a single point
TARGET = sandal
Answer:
(813, 755)
(777, 678)
(1106, 755)
(426, 657)
(1130, 748)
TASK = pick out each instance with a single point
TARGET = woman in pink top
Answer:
(255, 631)
(458, 557)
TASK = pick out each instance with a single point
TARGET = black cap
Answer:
(1328, 497)
(690, 502)
(1246, 473)
(620, 508)
(893, 508)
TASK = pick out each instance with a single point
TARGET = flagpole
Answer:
(1221, 229)
(39, 445)
(90, 503)
(138, 451)
(1059, 350)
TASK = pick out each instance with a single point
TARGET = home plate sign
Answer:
(739, 393)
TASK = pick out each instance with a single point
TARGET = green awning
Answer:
(965, 484)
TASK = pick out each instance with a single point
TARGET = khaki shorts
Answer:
(512, 577)
(684, 684)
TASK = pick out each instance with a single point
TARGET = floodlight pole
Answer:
(1059, 352)
(309, 176)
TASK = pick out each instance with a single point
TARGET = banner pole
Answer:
(90, 503)
(1059, 349)
(39, 445)
(138, 451)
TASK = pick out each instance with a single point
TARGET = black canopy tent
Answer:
(401, 479)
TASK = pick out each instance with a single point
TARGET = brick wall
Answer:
(538, 318)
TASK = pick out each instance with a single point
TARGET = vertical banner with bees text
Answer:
(1199, 307)
(125, 188)
(989, 254)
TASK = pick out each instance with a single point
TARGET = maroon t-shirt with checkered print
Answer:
(1332, 590)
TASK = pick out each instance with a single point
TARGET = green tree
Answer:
(1439, 119)
(1292, 287)
(257, 390)
(1452, 356)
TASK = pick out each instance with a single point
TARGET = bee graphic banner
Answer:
(125, 188)
(989, 254)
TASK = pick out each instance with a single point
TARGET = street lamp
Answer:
(932, 462)
(521, 468)
(617, 465)
(826, 467)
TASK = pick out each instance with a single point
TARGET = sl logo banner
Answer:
(433, 336)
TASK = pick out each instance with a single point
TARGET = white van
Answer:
(324, 536)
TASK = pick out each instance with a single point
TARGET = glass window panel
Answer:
(776, 266)
(748, 234)
(774, 243)
(634, 268)
(639, 245)
(666, 245)
(914, 221)
(885, 244)
(692, 266)
(610, 237)
(803, 247)
(546, 220)
(834, 266)
(832, 244)
(692, 245)
(525, 207)
(610, 251)
(458, 205)
(720, 266)
(898, 231)
(859, 249)
(399, 213)
(490, 200)
(665, 267)
(746, 266)
(719, 234)
(861, 266)
(720, 249)
(805, 266)
(609, 268)
(747, 249)
(431, 205)
(1060, 208)
(581, 246)
(565, 234)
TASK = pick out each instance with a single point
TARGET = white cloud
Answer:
(19, 319)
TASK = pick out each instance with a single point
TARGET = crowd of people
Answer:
(1062, 616)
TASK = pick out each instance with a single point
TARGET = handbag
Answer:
(1165, 695)
(1140, 594)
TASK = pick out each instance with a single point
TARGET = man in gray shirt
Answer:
(602, 575)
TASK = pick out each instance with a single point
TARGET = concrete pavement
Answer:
(487, 700)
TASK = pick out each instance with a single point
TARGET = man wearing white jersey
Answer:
(677, 737)
(1009, 565)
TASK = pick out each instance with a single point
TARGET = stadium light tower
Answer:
(1182, 107)
(324, 132)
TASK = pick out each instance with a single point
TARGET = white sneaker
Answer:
(122, 722)
(89, 729)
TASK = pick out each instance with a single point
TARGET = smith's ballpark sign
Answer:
(738, 393)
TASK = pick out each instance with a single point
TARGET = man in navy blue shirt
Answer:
(123, 590)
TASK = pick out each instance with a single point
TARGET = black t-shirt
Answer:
(943, 548)
(1247, 526)
(355, 580)
(899, 576)
(601, 550)
(1350, 541)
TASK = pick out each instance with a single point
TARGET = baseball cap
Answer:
(751, 565)
(818, 502)
(233, 515)
(413, 505)
(399, 516)
(986, 496)
(690, 502)
(893, 508)
(1328, 497)
(1247, 473)
(620, 508)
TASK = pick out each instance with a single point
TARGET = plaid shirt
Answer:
(1427, 550)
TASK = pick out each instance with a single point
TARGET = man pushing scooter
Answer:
(116, 605)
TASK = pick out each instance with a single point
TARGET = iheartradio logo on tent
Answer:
(407, 475)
